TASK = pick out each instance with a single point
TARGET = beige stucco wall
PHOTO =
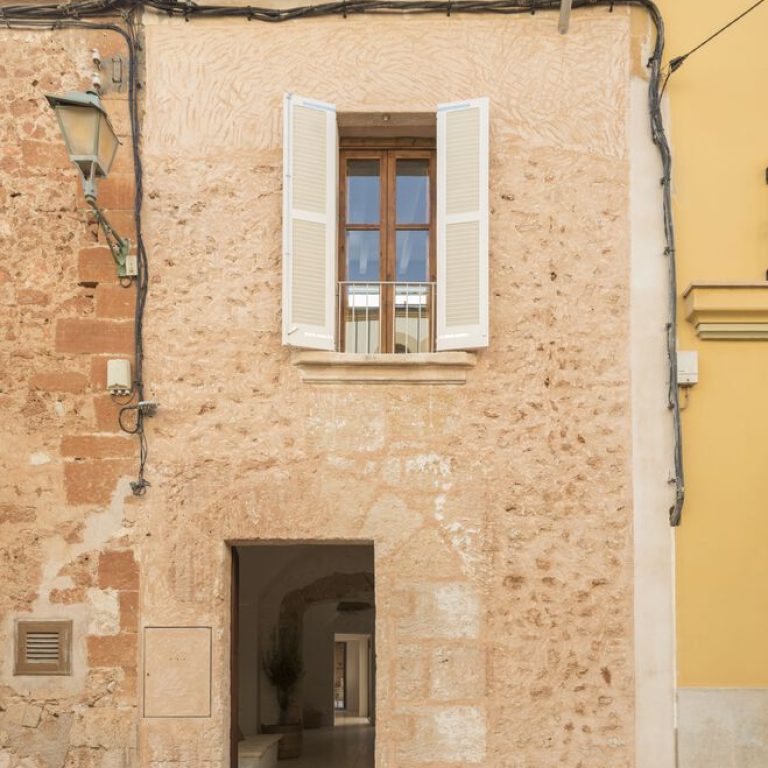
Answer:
(500, 510)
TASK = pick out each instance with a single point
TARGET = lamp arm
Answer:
(119, 247)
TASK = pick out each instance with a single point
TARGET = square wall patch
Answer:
(177, 671)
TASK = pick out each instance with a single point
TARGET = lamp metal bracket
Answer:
(119, 247)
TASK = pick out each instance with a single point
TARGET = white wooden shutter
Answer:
(462, 225)
(309, 222)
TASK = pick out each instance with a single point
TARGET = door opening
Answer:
(351, 679)
(303, 655)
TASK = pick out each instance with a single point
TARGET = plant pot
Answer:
(290, 744)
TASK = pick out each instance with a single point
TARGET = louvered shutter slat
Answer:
(309, 223)
(462, 225)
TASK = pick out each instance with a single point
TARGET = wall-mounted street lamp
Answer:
(91, 145)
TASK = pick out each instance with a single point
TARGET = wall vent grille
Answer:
(43, 647)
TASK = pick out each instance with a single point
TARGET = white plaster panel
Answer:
(177, 672)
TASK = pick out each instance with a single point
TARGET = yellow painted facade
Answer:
(719, 129)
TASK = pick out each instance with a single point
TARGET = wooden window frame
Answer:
(388, 151)
(62, 666)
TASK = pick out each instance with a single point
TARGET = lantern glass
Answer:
(107, 146)
(91, 141)
(80, 126)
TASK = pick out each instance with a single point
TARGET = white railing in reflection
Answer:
(386, 317)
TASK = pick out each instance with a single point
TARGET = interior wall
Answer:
(323, 624)
(353, 676)
(357, 673)
(248, 637)
(364, 679)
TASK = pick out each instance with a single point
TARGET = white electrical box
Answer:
(119, 377)
(687, 368)
(131, 265)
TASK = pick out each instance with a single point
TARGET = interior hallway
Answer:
(348, 746)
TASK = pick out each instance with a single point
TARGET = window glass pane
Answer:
(363, 255)
(363, 192)
(412, 256)
(412, 191)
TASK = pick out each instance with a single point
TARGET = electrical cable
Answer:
(678, 61)
(69, 14)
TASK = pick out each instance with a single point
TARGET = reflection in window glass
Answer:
(413, 312)
(412, 256)
(362, 307)
(363, 255)
(363, 192)
(412, 191)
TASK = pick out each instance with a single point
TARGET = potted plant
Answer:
(283, 666)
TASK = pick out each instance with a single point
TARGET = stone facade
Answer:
(500, 509)
(67, 546)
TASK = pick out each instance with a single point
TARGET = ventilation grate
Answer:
(43, 647)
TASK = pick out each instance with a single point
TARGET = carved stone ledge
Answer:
(728, 310)
(422, 368)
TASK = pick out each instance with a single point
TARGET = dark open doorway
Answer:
(303, 660)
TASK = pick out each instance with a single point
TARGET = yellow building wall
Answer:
(719, 133)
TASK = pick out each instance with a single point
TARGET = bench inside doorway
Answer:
(258, 751)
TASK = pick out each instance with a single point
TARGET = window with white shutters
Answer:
(327, 305)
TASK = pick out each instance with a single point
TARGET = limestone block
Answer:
(450, 610)
(446, 734)
(31, 717)
(105, 615)
(104, 728)
(410, 673)
(118, 569)
(457, 672)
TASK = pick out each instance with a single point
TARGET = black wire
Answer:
(62, 16)
(678, 61)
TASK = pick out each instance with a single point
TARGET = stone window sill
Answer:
(423, 368)
(728, 310)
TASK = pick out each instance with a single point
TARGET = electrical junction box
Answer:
(119, 377)
(131, 265)
(687, 368)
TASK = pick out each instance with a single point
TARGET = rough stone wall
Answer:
(65, 531)
(500, 510)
